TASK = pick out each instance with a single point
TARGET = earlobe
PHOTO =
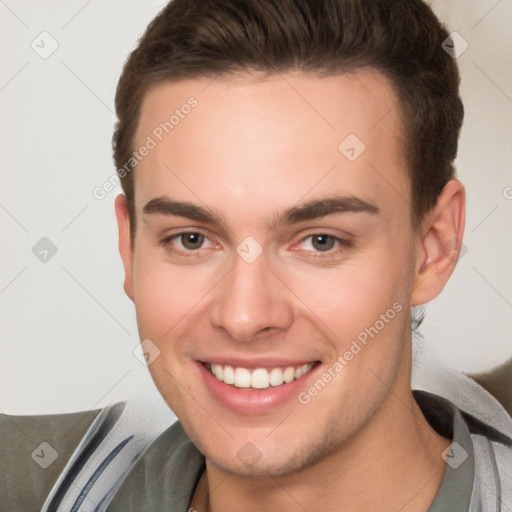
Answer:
(125, 248)
(440, 244)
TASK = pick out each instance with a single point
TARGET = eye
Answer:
(184, 242)
(322, 242)
(191, 241)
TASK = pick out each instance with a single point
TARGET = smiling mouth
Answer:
(257, 378)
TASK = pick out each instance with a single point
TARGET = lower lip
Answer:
(253, 401)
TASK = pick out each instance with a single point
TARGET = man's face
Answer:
(255, 290)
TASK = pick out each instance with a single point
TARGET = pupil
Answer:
(192, 240)
(325, 242)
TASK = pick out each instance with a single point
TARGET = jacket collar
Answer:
(484, 413)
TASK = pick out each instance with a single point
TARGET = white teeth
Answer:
(260, 378)
(276, 377)
(242, 378)
(302, 370)
(289, 374)
(229, 375)
(217, 371)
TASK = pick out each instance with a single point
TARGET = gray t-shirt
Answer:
(454, 494)
(166, 475)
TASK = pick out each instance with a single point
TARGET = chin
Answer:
(264, 457)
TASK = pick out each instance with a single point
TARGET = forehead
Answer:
(280, 138)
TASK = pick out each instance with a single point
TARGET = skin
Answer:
(254, 147)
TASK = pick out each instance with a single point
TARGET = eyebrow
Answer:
(310, 210)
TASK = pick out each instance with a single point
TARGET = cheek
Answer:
(165, 294)
(351, 297)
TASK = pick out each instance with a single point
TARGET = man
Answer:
(289, 199)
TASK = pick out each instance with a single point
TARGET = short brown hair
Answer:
(400, 38)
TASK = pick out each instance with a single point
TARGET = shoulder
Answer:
(488, 423)
(167, 472)
(430, 375)
(33, 452)
(56, 462)
(498, 382)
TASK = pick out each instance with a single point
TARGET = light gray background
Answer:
(67, 330)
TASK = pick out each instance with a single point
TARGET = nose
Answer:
(250, 300)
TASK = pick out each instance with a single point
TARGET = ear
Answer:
(125, 248)
(439, 243)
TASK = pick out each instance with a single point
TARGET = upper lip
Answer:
(256, 361)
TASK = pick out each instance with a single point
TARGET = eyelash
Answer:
(343, 244)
